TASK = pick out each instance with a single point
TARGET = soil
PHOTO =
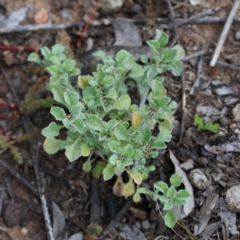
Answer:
(65, 183)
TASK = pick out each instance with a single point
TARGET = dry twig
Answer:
(35, 164)
(225, 31)
(96, 23)
(113, 224)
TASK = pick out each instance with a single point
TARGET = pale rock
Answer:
(198, 179)
(233, 199)
(146, 225)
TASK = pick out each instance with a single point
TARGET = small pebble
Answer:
(233, 199)
(237, 35)
(203, 161)
(225, 121)
(188, 165)
(146, 225)
(198, 179)
(109, 6)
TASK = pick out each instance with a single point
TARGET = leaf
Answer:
(159, 144)
(45, 51)
(86, 150)
(160, 41)
(161, 186)
(74, 72)
(180, 52)
(108, 172)
(153, 154)
(128, 189)
(144, 59)
(73, 151)
(76, 236)
(95, 123)
(82, 81)
(121, 133)
(183, 194)
(58, 92)
(114, 146)
(58, 113)
(146, 135)
(161, 37)
(87, 166)
(53, 70)
(71, 98)
(136, 176)
(112, 93)
(176, 180)
(123, 103)
(136, 71)
(136, 119)
(89, 93)
(123, 55)
(167, 205)
(151, 168)
(164, 135)
(176, 67)
(121, 164)
(57, 49)
(162, 102)
(68, 65)
(108, 81)
(33, 57)
(52, 130)
(179, 201)
(58, 223)
(167, 55)
(118, 186)
(98, 169)
(79, 125)
(52, 145)
(136, 197)
(55, 60)
(100, 54)
(198, 120)
(170, 219)
(137, 154)
(171, 192)
(165, 125)
(113, 159)
(127, 151)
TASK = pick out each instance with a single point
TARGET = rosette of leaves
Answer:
(98, 114)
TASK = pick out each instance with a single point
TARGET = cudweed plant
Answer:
(98, 115)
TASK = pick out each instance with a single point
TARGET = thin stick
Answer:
(224, 32)
(182, 127)
(196, 16)
(119, 216)
(17, 175)
(35, 164)
(172, 16)
(202, 20)
(30, 27)
(196, 54)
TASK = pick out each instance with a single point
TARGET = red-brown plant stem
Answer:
(88, 22)
(17, 48)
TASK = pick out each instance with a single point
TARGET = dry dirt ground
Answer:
(65, 183)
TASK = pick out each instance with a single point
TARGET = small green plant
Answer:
(168, 196)
(92, 231)
(209, 126)
(99, 114)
